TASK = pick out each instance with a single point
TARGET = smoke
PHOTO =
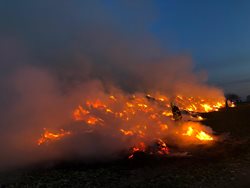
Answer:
(41, 85)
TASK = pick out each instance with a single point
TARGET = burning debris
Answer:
(193, 132)
(50, 136)
(176, 112)
(230, 104)
(157, 147)
(147, 122)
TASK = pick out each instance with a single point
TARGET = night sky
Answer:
(214, 33)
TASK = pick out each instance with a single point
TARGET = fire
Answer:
(79, 112)
(126, 132)
(231, 104)
(165, 113)
(112, 97)
(157, 147)
(95, 104)
(204, 136)
(198, 104)
(200, 118)
(164, 127)
(189, 132)
(49, 136)
(92, 120)
(140, 147)
(199, 134)
(207, 107)
(139, 118)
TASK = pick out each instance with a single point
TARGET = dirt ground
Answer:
(226, 164)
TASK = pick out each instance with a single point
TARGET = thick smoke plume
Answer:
(37, 97)
(41, 87)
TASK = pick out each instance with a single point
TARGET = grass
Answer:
(226, 164)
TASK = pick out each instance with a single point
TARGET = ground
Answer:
(226, 164)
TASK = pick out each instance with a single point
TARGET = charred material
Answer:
(176, 112)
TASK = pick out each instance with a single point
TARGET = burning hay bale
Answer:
(141, 123)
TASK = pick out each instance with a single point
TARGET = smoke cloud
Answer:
(44, 78)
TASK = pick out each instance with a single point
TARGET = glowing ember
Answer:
(92, 120)
(232, 105)
(164, 127)
(126, 132)
(165, 113)
(140, 147)
(95, 104)
(79, 112)
(200, 118)
(49, 136)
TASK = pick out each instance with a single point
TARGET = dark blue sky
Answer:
(215, 33)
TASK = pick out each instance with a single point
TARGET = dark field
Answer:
(226, 164)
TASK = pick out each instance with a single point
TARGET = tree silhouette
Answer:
(248, 98)
(233, 97)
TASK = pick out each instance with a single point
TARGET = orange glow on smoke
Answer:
(140, 117)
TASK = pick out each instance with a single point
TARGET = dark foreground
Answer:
(226, 164)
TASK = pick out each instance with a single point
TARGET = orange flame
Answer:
(204, 136)
(140, 147)
(153, 113)
(201, 135)
(48, 136)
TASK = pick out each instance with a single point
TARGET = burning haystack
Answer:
(106, 100)
(139, 123)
